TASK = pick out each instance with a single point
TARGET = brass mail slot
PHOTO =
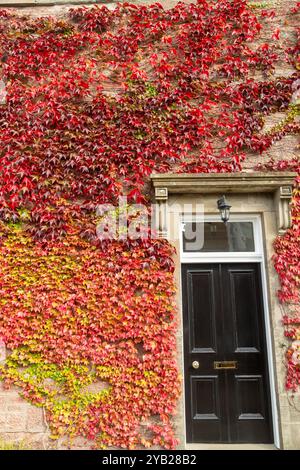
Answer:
(225, 365)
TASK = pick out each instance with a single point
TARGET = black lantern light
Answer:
(224, 209)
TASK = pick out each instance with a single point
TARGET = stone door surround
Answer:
(267, 194)
(280, 184)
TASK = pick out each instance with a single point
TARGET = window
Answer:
(214, 236)
(204, 237)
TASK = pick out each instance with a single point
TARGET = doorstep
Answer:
(230, 447)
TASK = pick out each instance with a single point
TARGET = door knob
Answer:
(195, 364)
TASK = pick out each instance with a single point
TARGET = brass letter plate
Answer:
(225, 365)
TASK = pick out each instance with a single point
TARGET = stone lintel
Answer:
(223, 182)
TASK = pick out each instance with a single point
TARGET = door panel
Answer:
(205, 397)
(244, 310)
(202, 322)
(223, 321)
(251, 409)
(249, 397)
(206, 407)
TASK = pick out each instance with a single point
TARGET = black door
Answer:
(226, 376)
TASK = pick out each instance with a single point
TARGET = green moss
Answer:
(6, 445)
(257, 5)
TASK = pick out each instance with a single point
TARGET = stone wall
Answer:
(20, 421)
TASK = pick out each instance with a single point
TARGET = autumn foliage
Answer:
(94, 104)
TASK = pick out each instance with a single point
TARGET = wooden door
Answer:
(227, 396)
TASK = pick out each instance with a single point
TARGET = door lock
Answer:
(195, 364)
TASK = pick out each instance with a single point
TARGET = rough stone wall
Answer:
(22, 422)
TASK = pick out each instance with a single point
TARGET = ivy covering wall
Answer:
(93, 104)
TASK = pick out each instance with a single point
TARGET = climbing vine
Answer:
(94, 103)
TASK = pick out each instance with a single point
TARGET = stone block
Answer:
(95, 387)
(16, 422)
(16, 407)
(284, 408)
(24, 441)
(3, 402)
(37, 441)
(3, 419)
(295, 416)
(35, 420)
(291, 434)
(296, 401)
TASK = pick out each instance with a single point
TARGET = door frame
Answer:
(258, 256)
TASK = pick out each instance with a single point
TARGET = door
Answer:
(226, 375)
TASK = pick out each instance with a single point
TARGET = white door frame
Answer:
(257, 256)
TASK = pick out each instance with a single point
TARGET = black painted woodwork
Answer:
(223, 321)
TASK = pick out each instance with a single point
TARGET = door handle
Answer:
(195, 364)
(225, 364)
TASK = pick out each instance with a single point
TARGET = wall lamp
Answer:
(224, 209)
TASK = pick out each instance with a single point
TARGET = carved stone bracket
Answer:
(280, 184)
(282, 198)
(161, 196)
